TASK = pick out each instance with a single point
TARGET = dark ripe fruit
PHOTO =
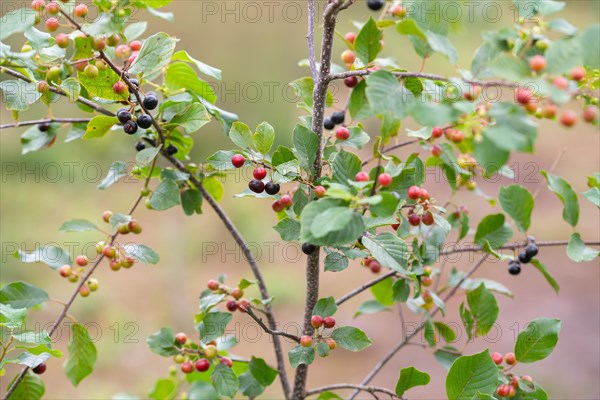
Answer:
(65, 271)
(256, 186)
(82, 261)
(316, 321)
(338, 117)
(130, 127)
(523, 258)
(181, 338)
(139, 146)
(427, 219)
(226, 361)
(424, 194)
(514, 268)
(187, 367)
(328, 124)
(135, 82)
(375, 267)
(436, 151)
(202, 365)
(348, 57)
(350, 36)
(40, 369)
(537, 63)
(414, 192)
(523, 95)
(414, 220)
(150, 102)
(52, 24)
(362, 177)
(232, 305)
(331, 343)
(308, 248)
(91, 71)
(578, 73)
(497, 358)
(106, 216)
(144, 121)
(590, 114)
(286, 200)
(80, 10)
(120, 87)
(568, 118)
(306, 341)
(136, 45)
(531, 250)
(385, 179)
(561, 82)
(238, 160)
(213, 285)
(342, 133)
(272, 188)
(277, 206)
(320, 191)
(44, 126)
(237, 293)
(510, 358)
(62, 40)
(123, 115)
(351, 81)
(329, 322)
(259, 173)
(396, 226)
(171, 150)
(514, 382)
(375, 5)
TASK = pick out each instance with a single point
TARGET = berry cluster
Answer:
(258, 186)
(508, 390)
(144, 121)
(195, 357)
(372, 264)
(337, 118)
(421, 197)
(317, 323)
(236, 302)
(530, 251)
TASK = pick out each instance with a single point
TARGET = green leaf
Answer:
(22, 295)
(344, 235)
(471, 374)
(164, 389)
(429, 332)
(241, 135)
(33, 337)
(409, 378)
(82, 355)
(142, 253)
(383, 291)
(191, 202)
(542, 268)
(214, 187)
(351, 338)
(484, 308)
(163, 343)
(165, 196)
(34, 139)
(51, 255)
(249, 386)
(117, 170)
(191, 119)
(99, 126)
(387, 95)
(155, 54)
(589, 43)
(72, 88)
(441, 44)
(389, 250)
(446, 356)
(102, 85)
(578, 251)
(345, 166)
(331, 220)
(325, 307)
(367, 44)
(359, 104)
(538, 340)
(12, 317)
(493, 229)
(593, 195)
(224, 380)
(135, 30)
(301, 355)
(264, 374)
(78, 225)
(16, 21)
(409, 27)
(200, 390)
(204, 68)
(213, 325)
(336, 262)
(18, 94)
(146, 156)
(289, 229)
(567, 196)
(182, 76)
(517, 202)
(370, 307)
(264, 137)
(306, 144)
(445, 331)
(31, 388)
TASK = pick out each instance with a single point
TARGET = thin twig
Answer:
(272, 332)
(360, 388)
(364, 287)
(552, 168)
(311, 40)
(46, 120)
(394, 147)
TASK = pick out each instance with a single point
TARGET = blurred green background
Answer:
(258, 45)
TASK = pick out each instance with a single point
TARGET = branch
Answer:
(59, 91)
(260, 322)
(311, 40)
(364, 287)
(394, 147)
(359, 388)
(47, 120)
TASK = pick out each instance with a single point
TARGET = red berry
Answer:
(82, 261)
(537, 63)
(136, 45)
(457, 136)
(590, 114)
(259, 173)
(497, 357)
(385, 179)
(414, 192)
(348, 57)
(134, 226)
(342, 133)
(187, 367)
(514, 382)
(329, 322)
(510, 358)
(132, 58)
(436, 151)
(361, 177)
(426, 281)
(243, 305)
(52, 24)
(472, 93)
(123, 51)
(53, 8)
(109, 252)
(527, 378)
(427, 219)
(414, 220)
(503, 390)
(277, 206)
(65, 271)
(213, 285)
(38, 5)
(396, 226)
(43, 86)
(115, 265)
(80, 11)
(568, 118)
(316, 321)
(437, 132)
(232, 305)
(561, 82)
(62, 40)
(350, 36)
(424, 194)
(84, 291)
(202, 365)
(351, 81)
(286, 200)
(226, 361)
(331, 343)
(181, 338)
(306, 341)
(320, 191)
(237, 293)
(40, 369)
(238, 160)
(524, 95)
(578, 73)
(375, 267)
(120, 87)
(550, 111)
(398, 10)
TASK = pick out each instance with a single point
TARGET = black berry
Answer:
(531, 250)
(139, 146)
(171, 150)
(124, 115)
(338, 117)
(256, 186)
(144, 121)
(150, 102)
(514, 268)
(44, 126)
(308, 248)
(135, 82)
(130, 127)
(375, 5)
(328, 124)
(523, 258)
(272, 188)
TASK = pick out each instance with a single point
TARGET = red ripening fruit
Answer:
(590, 114)
(320, 191)
(237, 293)
(561, 82)
(436, 151)
(457, 136)
(568, 118)
(472, 93)
(329, 322)
(226, 361)
(53, 8)
(527, 378)
(550, 111)
(52, 24)
(120, 87)
(243, 305)
(514, 382)
(132, 58)
(351, 81)
(136, 45)
(510, 358)
(398, 10)
(39, 369)
(348, 56)
(427, 219)
(80, 10)
(65, 271)
(259, 173)
(286, 200)
(202, 365)
(316, 321)
(213, 285)
(342, 133)
(238, 160)
(42, 86)
(375, 267)
(187, 367)
(331, 343)
(414, 220)
(350, 36)
(232, 305)
(123, 51)
(414, 192)
(82, 261)
(62, 40)
(503, 390)
(38, 5)
(424, 194)
(181, 338)
(578, 73)
(277, 206)
(385, 179)
(306, 341)
(396, 226)
(437, 132)
(109, 252)
(497, 358)
(426, 281)
(537, 63)
(361, 177)
(523, 95)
